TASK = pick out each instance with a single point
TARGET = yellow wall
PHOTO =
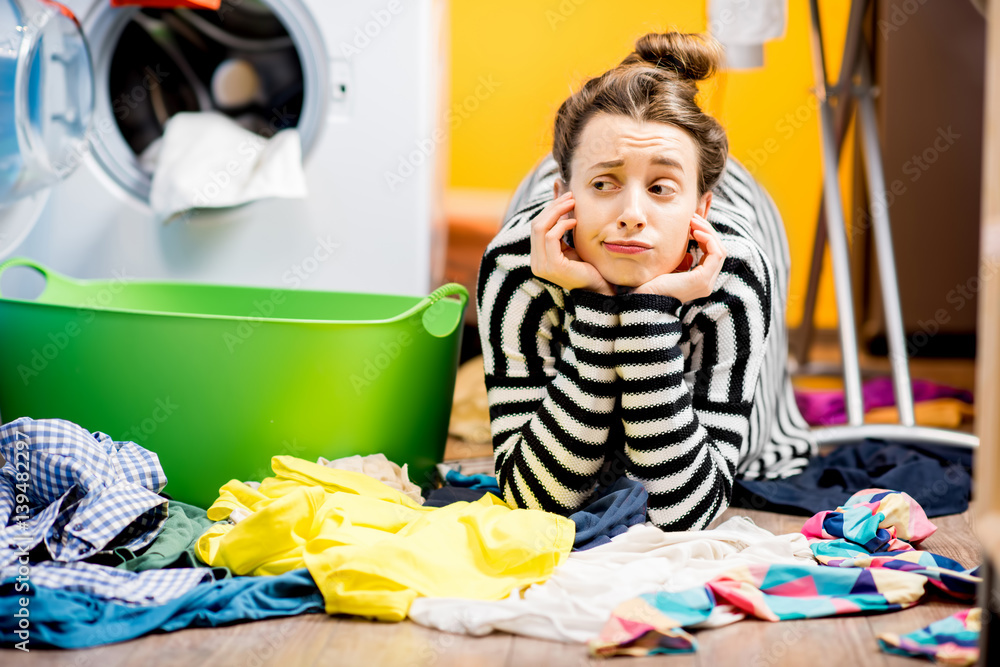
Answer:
(514, 62)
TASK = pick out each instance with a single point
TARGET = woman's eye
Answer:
(661, 189)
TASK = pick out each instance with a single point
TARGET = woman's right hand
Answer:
(553, 260)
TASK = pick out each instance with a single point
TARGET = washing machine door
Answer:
(46, 104)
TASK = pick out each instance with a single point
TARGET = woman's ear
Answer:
(560, 188)
(704, 204)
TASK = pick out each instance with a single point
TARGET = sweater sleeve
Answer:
(688, 380)
(552, 393)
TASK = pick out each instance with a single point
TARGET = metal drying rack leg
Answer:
(832, 228)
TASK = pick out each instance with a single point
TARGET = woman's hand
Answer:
(553, 260)
(698, 282)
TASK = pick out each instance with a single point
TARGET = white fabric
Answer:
(742, 26)
(207, 160)
(576, 601)
(378, 467)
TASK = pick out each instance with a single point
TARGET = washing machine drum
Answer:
(153, 63)
(46, 105)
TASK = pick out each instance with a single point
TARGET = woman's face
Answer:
(635, 184)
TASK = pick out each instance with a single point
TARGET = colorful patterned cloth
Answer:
(874, 530)
(876, 519)
(872, 567)
(950, 641)
(942, 572)
(653, 623)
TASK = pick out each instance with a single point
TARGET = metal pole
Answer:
(883, 244)
(804, 333)
(836, 233)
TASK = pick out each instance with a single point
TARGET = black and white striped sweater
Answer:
(681, 397)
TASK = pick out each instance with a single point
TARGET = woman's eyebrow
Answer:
(662, 160)
(610, 164)
(668, 162)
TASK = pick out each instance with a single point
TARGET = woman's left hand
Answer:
(698, 282)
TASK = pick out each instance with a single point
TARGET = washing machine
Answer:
(361, 80)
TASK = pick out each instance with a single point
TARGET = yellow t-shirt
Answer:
(371, 549)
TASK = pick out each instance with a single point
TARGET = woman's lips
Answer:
(625, 249)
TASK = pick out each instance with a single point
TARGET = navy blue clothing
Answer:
(937, 477)
(447, 495)
(610, 512)
(66, 619)
(621, 505)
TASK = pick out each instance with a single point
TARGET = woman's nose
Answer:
(632, 216)
(628, 222)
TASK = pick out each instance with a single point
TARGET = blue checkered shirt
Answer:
(79, 494)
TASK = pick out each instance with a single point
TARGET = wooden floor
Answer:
(321, 640)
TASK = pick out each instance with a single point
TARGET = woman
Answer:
(631, 309)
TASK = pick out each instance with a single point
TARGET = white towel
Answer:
(742, 26)
(206, 160)
(575, 602)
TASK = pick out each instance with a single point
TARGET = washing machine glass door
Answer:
(46, 104)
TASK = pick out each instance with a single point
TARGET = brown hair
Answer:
(656, 82)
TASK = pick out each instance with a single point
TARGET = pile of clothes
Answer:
(95, 553)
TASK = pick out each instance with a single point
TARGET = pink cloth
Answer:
(826, 407)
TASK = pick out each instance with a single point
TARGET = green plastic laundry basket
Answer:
(218, 379)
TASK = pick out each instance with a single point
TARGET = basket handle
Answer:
(431, 315)
(48, 275)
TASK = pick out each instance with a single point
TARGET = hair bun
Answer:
(690, 55)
